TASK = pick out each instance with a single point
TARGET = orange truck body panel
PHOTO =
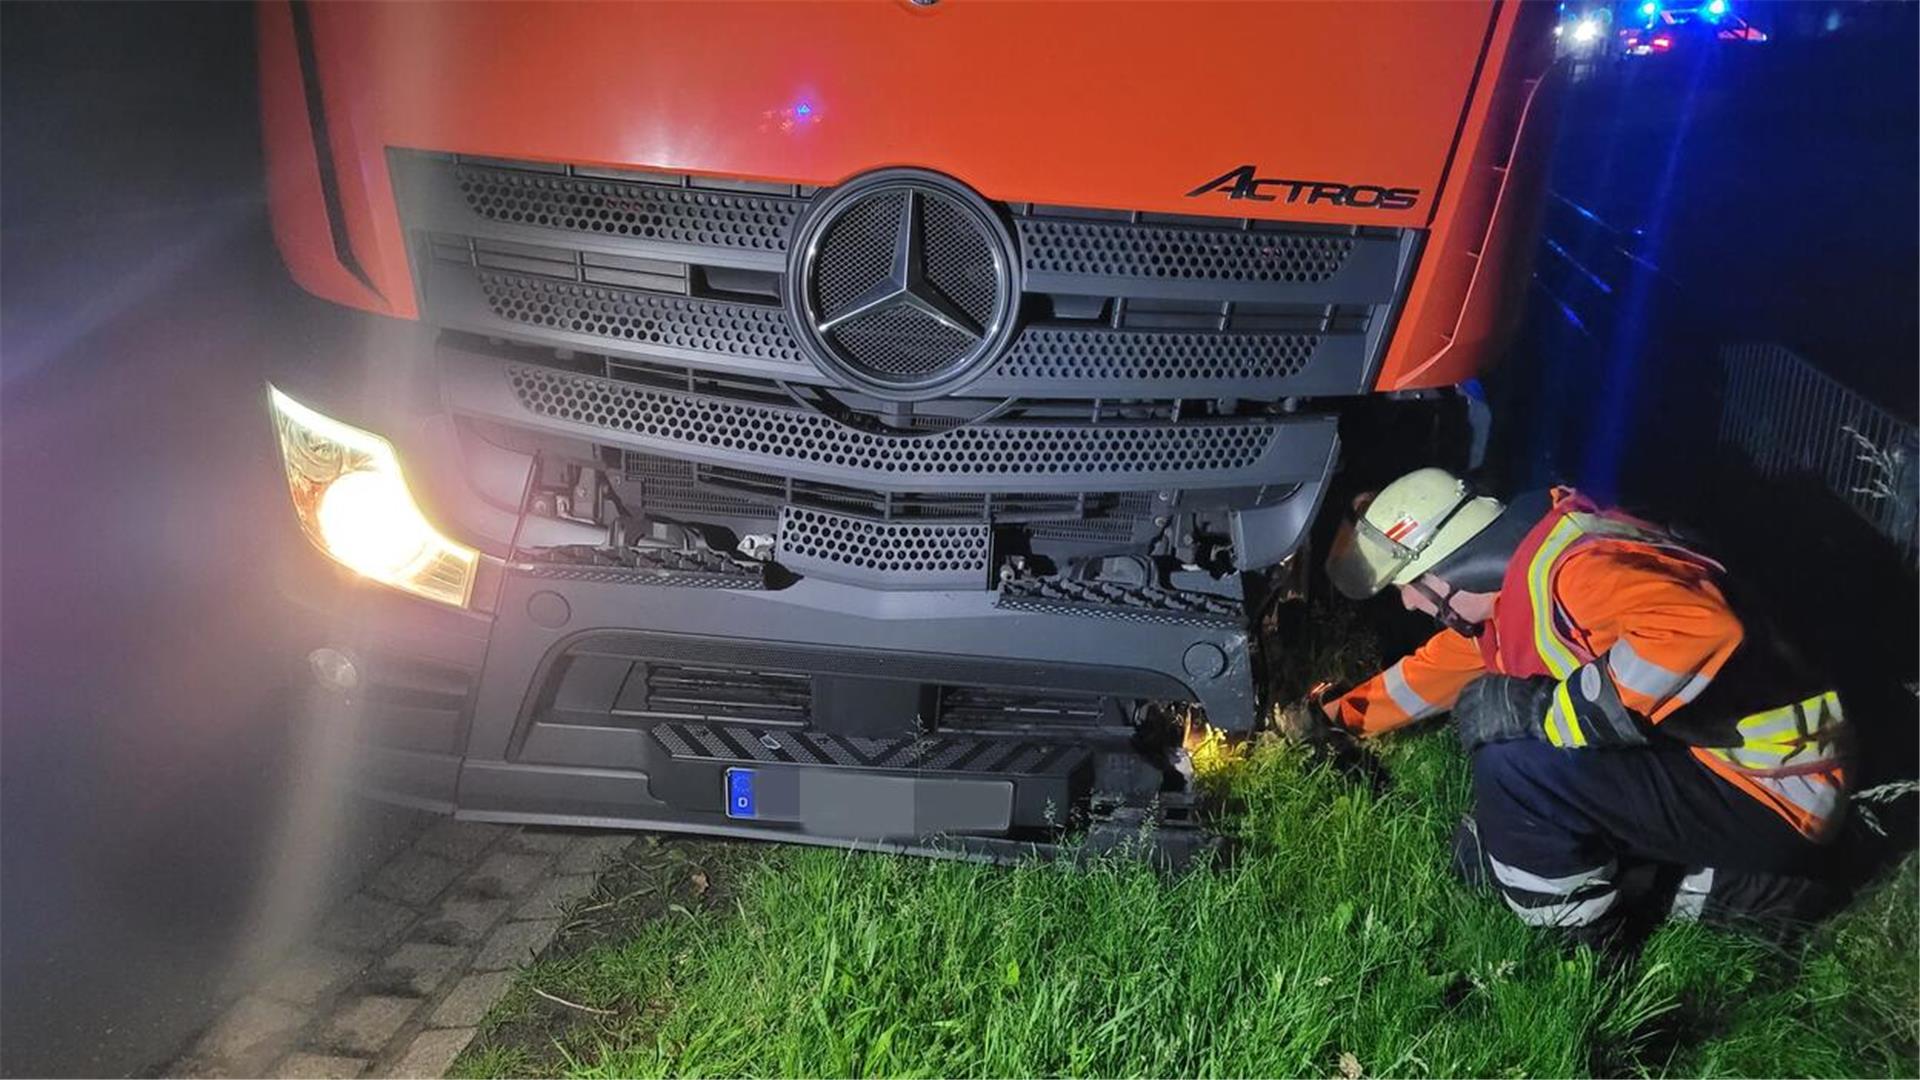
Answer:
(1124, 106)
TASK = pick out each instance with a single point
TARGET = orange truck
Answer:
(860, 422)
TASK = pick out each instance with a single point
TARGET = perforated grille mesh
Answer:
(958, 261)
(900, 551)
(901, 342)
(1115, 525)
(669, 214)
(673, 484)
(861, 242)
(977, 450)
(707, 326)
(1067, 353)
(1159, 251)
(856, 254)
(761, 333)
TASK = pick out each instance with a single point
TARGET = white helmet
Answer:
(1406, 530)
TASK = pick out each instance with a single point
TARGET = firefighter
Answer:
(1618, 709)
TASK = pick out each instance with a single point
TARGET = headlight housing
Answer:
(353, 503)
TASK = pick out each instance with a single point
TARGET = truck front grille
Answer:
(1145, 251)
(1151, 363)
(619, 207)
(689, 269)
(670, 325)
(1174, 452)
(905, 554)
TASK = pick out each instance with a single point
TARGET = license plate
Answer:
(740, 801)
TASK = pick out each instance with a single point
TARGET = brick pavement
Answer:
(396, 977)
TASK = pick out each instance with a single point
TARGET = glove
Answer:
(1501, 708)
(1309, 724)
(1307, 719)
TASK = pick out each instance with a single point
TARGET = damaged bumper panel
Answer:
(940, 722)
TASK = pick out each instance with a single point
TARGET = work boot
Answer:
(1778, 908)
(1469, 858)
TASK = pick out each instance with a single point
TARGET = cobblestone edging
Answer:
(397, 976)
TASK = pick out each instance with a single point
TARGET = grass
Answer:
(1337, 943)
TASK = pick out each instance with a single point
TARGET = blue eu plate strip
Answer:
(740, 793)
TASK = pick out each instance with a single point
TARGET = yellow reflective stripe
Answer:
(1556, 734)
(1773, 725)
(1562, 725)
(1546, 639)
(1830, 706)
(1770, 739)
(1822, 712)
(1754, 759)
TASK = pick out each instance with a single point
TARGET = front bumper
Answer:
(540, 711)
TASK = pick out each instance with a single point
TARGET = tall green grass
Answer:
(1336, 943)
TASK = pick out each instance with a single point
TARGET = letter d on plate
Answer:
(740, 793)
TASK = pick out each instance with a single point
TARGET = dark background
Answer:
(144, 644)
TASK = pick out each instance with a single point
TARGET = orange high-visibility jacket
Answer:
(1590, 592)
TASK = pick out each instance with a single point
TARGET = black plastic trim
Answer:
(806, 445)
(1460, 129)
(1063, 359)
(323, 146)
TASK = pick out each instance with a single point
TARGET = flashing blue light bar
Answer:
(1717, 8)
(1650, 9)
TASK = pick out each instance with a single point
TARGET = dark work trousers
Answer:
(1561, 830)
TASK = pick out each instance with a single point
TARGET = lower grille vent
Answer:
(885, 554)
(716, 693)
(970, 705)
(671, 485)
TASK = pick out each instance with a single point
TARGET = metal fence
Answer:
(1788, 418)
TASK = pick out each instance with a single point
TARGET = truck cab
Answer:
(872, 423)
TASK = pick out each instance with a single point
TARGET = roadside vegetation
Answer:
(1337, 943)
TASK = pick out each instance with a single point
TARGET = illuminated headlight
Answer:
(353, 503)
